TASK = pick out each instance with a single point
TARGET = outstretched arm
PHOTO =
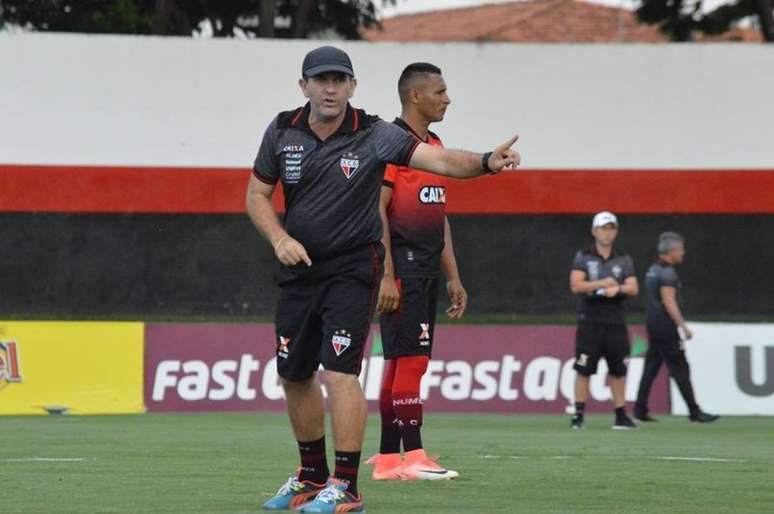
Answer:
(463, 164)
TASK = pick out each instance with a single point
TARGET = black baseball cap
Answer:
(326, 59)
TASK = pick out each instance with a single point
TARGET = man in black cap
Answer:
(330, 158)
(603, 279)
(667, 330)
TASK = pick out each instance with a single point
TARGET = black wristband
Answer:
(485, 162)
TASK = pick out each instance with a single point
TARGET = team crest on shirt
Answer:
(617, 270)
(341, 341)
(349, 164)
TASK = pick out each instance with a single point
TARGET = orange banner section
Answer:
(125, 189)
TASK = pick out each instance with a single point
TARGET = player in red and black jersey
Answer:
(418, 244)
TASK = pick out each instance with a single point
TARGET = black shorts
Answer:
(409, 330)
(595, 340)
(324, 315)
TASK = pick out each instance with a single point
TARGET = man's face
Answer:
(432, 97)
(677, 253)
(328, 93)
(606, 234)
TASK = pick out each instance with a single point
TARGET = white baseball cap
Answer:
(603, 218)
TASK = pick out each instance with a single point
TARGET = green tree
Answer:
(294, 18)
(680, 19)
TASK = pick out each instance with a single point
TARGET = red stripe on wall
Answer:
(43, 188)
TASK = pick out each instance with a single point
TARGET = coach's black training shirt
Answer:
(595, 306)
(661, 274)
(331, 187)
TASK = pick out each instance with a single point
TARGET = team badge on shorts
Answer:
(349, 164)
(424, 334)
(282, 347)
(341, 341)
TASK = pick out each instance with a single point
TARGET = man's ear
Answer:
(352, 87)
(302, 86)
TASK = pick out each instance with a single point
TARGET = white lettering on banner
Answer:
(481, 373)
(194, 384)
(542, 378)
(220, 377)
(457, 385)
(270, 384)
(164, 378)
(247, 367)
(510, 367)
(732, 368)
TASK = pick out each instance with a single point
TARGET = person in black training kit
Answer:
(602, 279)
(667, 331)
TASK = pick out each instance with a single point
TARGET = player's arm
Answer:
(457, 294)
(463, 164)
(261, 213)
(669, 299)
(579, 284)
(389, 298)
(630, 287)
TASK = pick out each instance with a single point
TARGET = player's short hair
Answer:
(411, 73)
(667, 241)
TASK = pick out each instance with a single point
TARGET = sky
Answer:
(413, 6)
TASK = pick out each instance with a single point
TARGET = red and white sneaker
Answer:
(418, 466)
(387, 466)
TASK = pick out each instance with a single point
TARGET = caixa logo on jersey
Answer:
(10, 371)
(432, 194)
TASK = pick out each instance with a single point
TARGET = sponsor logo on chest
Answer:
(432, 195)
(293, 154)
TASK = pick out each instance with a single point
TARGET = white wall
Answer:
(77, 99)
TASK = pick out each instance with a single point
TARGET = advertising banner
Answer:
(732, 368)
(486, 368)
(70, 367)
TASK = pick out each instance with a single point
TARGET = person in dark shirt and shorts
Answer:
(602, 279)
(667, 330)
(418, 243)
(330, 158)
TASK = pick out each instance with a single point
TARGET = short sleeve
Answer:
(628, 267)
(579, 263)
(668, 278)
(265, 166)
(393, 144)
(390, 175)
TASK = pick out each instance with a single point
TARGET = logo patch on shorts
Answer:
(583, 359)
(424, 334)
(349, 164)
(282, 347)
(341, 341)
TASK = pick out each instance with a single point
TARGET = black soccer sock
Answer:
(579, 408)
(347, 464)
(412, 438)
(620, 412)
(314, 465)
(390, 440)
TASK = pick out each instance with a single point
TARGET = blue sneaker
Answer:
(335, 498)
(293, 494)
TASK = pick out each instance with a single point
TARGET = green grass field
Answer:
(230, 463)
